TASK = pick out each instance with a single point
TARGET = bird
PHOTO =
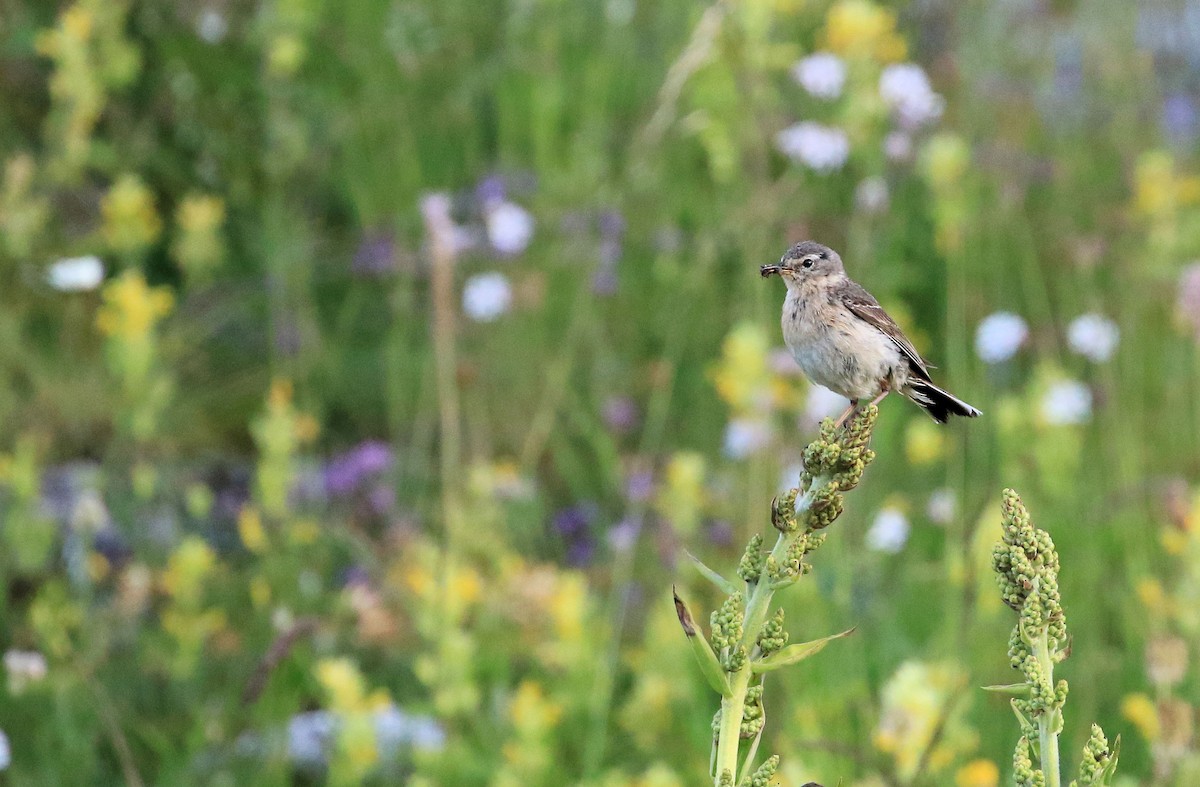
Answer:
(843, 339)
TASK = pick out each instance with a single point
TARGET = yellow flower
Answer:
(862, 28)
(197, 213)
(260, 592)
(186, 569)
(978, 773)
(343, 684)
(915, 700)
(357, 746)
(660, 775)
(742, 378)
(1154, 183)
(465, 587)
(132, 308)
(1174, 541)
(530, 711)
(945, 160)
(286, 55)
(130, 219)
(1141, 712)
(680, 500)
(199, 246)
(251, 530)
(924, 443)
(568, 607)
(304, 532)
(1152, 595)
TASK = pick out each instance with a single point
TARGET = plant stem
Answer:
(757, 606)
(729, 736)
(1048, 723)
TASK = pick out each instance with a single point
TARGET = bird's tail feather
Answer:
(938, 403)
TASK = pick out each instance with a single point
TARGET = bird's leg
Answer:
(849, 411)
(884, 390)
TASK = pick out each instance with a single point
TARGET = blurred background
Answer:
(366, 368)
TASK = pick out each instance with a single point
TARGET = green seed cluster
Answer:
(1026, 566)
(1024, 773)
(834, 463)
(1099, 760)
(783, 512)
(726, 779)
(772, 638)
(726, 624)
(751, 566)
(762, 776)
(753, 715)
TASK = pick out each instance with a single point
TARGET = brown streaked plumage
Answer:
(843, 339)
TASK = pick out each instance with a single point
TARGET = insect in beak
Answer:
(768, 270)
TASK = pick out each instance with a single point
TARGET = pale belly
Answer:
(846, 355)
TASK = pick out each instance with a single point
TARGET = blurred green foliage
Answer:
(230, 552)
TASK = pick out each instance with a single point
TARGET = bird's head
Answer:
(805, 261)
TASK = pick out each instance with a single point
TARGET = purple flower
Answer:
(604, 282)
(355, 576)
(720, 533)
(620, 414)
(1180, 119)
(490, 190)
(611, 224)
(375, 256)
(350, 471)
(639, 486)
(575, 520)
(581, 552)
(624, 535)
(113, 546)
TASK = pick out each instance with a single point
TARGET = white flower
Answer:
(823, 403)
(396, 729)
(211, 26)
(942, 506)
(999, 336)
(898, 146)
(820, 148)
(310, 736)
(1067, 402)
(822, 74)
(790, 476)
(76, 274)
(487, 296)
(745, 437)
(509, 228)
(871, 196)
(1093, 336)
(906, 91)
(5, 752)
(23, 667)
(889, 531)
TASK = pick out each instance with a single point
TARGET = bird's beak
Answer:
(769, 270)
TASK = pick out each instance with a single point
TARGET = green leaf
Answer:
(702, 650)
(1016, 689)
(727, 587)
(797, 652)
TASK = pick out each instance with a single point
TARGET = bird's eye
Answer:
(808, 263)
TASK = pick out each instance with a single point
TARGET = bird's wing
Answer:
(864, 306)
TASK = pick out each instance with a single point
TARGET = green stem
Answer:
(1048, 722)
(757, 606)
(729, 736)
